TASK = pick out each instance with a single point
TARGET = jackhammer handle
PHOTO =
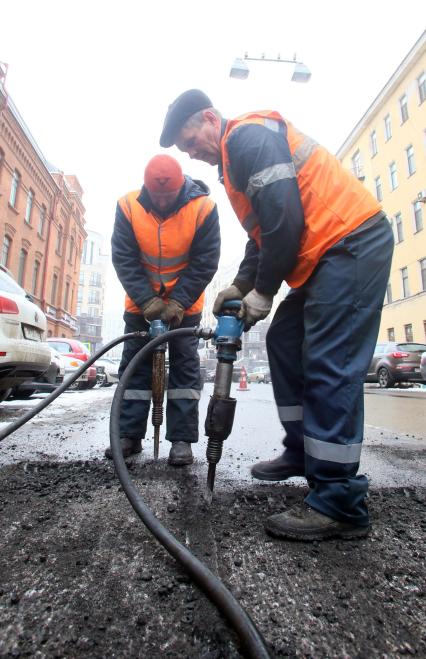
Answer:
(230, 305)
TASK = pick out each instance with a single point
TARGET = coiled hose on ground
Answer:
(253, 644)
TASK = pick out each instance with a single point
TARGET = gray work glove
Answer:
(230, 293)
(153, 308)
(172, 314)
(255, 306)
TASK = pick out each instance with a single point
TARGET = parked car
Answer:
(259, 374)
(106, 372)
(24, 355)
(69, 347)
(71, 365)
(396, 362)
(50, 379)
(92, 379)
(423, 366)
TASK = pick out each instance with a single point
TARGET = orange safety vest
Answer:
(334, 201)
(165, 245)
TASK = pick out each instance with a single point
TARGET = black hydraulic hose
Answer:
(251, 639)
(57, 392)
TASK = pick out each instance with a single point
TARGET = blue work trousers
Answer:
(183, 391)
(320, 344)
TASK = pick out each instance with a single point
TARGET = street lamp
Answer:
(240, 69)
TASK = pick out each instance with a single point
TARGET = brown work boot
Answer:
(279, 469)
(129, 446)
(180, 454)
(301, 522)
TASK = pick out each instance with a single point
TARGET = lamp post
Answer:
(240, 69)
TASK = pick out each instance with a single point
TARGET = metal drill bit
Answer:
(210, 481)
(156, 442)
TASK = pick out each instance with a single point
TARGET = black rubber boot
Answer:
(180, 454)
(277, 470)
(129, 446)
(301, 522)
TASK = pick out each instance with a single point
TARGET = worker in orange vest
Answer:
(165, 250)
(312, 224)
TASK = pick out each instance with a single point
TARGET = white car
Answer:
(106, 371)
(24, 356)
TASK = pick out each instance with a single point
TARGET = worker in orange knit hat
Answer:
(165, 250)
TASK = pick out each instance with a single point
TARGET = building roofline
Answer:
(385, 91)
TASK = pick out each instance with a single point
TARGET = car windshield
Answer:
(8, 285)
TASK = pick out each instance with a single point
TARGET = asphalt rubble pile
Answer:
(80, 576)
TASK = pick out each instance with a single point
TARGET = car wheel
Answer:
(4, 394)
(384, 378)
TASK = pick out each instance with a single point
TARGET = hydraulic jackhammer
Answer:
(221, 409)
(157, 328)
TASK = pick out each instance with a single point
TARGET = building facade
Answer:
(41, 222)
(91, 291)
(387, 151)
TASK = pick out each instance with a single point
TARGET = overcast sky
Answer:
(93, 79)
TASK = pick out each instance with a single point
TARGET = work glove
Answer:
(230, 293)
(254, 307)
(172, 314)
(153, 308)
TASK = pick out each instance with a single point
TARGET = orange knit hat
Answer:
(163, 174)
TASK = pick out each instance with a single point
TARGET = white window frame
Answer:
(393, 175)
(403, 108)
(411, 162)
(16, 180)
(388, 127)
(29, 206)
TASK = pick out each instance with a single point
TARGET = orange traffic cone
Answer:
(243, 381)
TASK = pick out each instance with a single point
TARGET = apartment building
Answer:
(91, 290)
(387, 151)
(41, 221)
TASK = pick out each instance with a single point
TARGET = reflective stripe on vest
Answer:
(334, 202)
(165, 246)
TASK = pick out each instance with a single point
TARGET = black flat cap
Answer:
(179, 111)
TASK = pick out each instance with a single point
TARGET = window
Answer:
(80, 295)
(405, 283)
(391, 334)
(59, 240)
(411, 165)
(35, 277)
(71, 253)
(66, 295)
(423, 273)
(388, 127)
(22, 264)
(78, 311)
(379, 191)
(389, 293)
(357, 165)
(373, 143)
(421, 82)
(418, 216)
(16, 179)
(393, 175)
(399, 229)
(41, 220)
(54, 289)
(29, 206)
(408, 332)
(81, 277)
(95, 279)
(94, 297)
(5, 253)
(403, 108)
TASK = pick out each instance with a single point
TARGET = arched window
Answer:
(66, 295)
(7, 245)
(22, 265)
(54, 289)
(71, 249)
(59, 240)
(16, 179)
(36, 272)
